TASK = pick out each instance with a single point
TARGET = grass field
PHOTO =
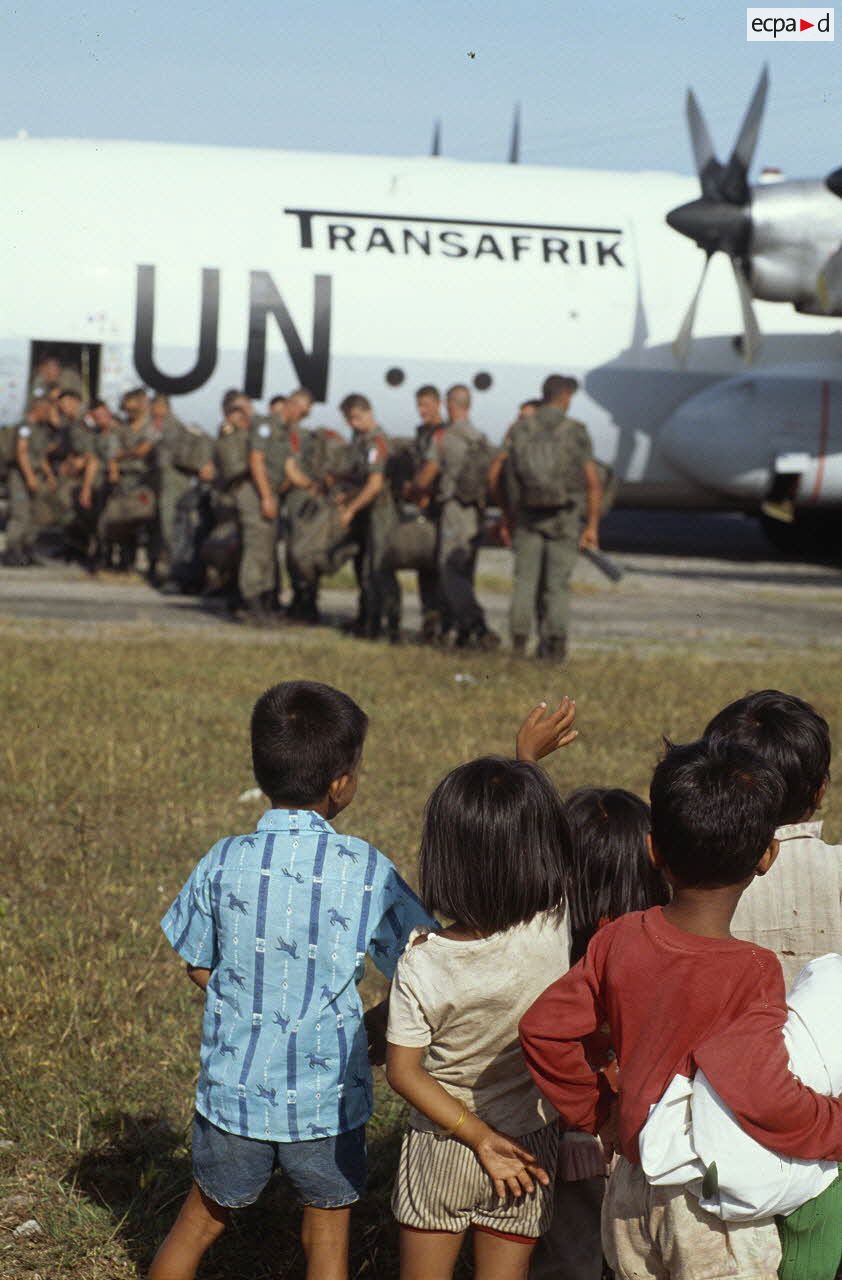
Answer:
(122, 759)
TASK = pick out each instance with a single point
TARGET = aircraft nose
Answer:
(713, 224)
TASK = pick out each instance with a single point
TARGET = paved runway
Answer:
(700, 581)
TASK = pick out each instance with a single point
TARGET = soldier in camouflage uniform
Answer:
(427, 433)
(368, 513)
(551, 482)
(273, 470)
(290, 411)
(460, 522)
(30, 476)
(74, 464)
(133, 473)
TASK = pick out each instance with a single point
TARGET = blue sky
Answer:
(601, 85)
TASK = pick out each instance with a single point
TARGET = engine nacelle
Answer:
(795, 228)
(734, 436)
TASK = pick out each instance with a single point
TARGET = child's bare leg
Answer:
(496, 1258)
(429, 1255)
(200, 1222)
(324, 1237)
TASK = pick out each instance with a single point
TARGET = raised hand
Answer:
(543, 731)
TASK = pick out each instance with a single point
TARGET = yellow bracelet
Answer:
(448, 1133)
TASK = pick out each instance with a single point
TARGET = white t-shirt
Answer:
(796, 908)
(462, 1001)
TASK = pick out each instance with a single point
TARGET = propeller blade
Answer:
(752, 338)
(435, 146)
(734, 180)
(681, 346)
(514, 145)
(707, 165)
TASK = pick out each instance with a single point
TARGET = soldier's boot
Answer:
(255, 613)
(518, 646)
(487, 641)
(430, 627)
(553, 649)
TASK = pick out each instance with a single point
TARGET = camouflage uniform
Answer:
(172, 483)
(379, 590)
(434, 617)
(304, 604)
(459, 531)
(21, 528)
(546, 539)
(137, 479)
(259, 572)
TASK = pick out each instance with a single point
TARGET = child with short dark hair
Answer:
(611, 875)
(612, 872)
(796, 910)
(275, 926)
(679, 994)
(495, 858)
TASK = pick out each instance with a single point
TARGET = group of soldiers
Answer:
(210, 513)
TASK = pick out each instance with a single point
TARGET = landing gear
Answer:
(812, 535)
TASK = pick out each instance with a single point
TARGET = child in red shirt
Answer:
(680, 993)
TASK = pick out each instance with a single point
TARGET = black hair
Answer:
(558, 384)
(354, 401)
(277, 400)
(97, 403)
(496, 846)
(228, 399)
(428, 390)
(304, 735)
(715, 807)
(790, 735)
(611, 873)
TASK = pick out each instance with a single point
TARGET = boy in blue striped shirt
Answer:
(275, 926)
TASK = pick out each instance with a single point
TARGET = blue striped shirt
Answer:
(284, 918)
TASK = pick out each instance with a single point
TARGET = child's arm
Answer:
(543, 732)
(200, 976)
(510, 1167)
(748, 1066)
(551, 1035)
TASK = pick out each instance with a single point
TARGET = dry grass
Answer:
(123, 756)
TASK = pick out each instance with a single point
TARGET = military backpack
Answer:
(539, 458)
(192, 449)
(231, 457)
(471, 482)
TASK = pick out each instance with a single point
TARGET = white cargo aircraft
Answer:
(195, 269)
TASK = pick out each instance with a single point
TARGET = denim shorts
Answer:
(327, 1173)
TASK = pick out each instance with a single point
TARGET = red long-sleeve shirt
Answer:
(675, 1002)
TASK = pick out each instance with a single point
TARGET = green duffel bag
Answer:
(125, 511)
(412, 543)
(56, 509)
(317, 542)
(192, 449)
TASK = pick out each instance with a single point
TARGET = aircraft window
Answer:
(395, 377)
(78, 363)
(483, 381)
